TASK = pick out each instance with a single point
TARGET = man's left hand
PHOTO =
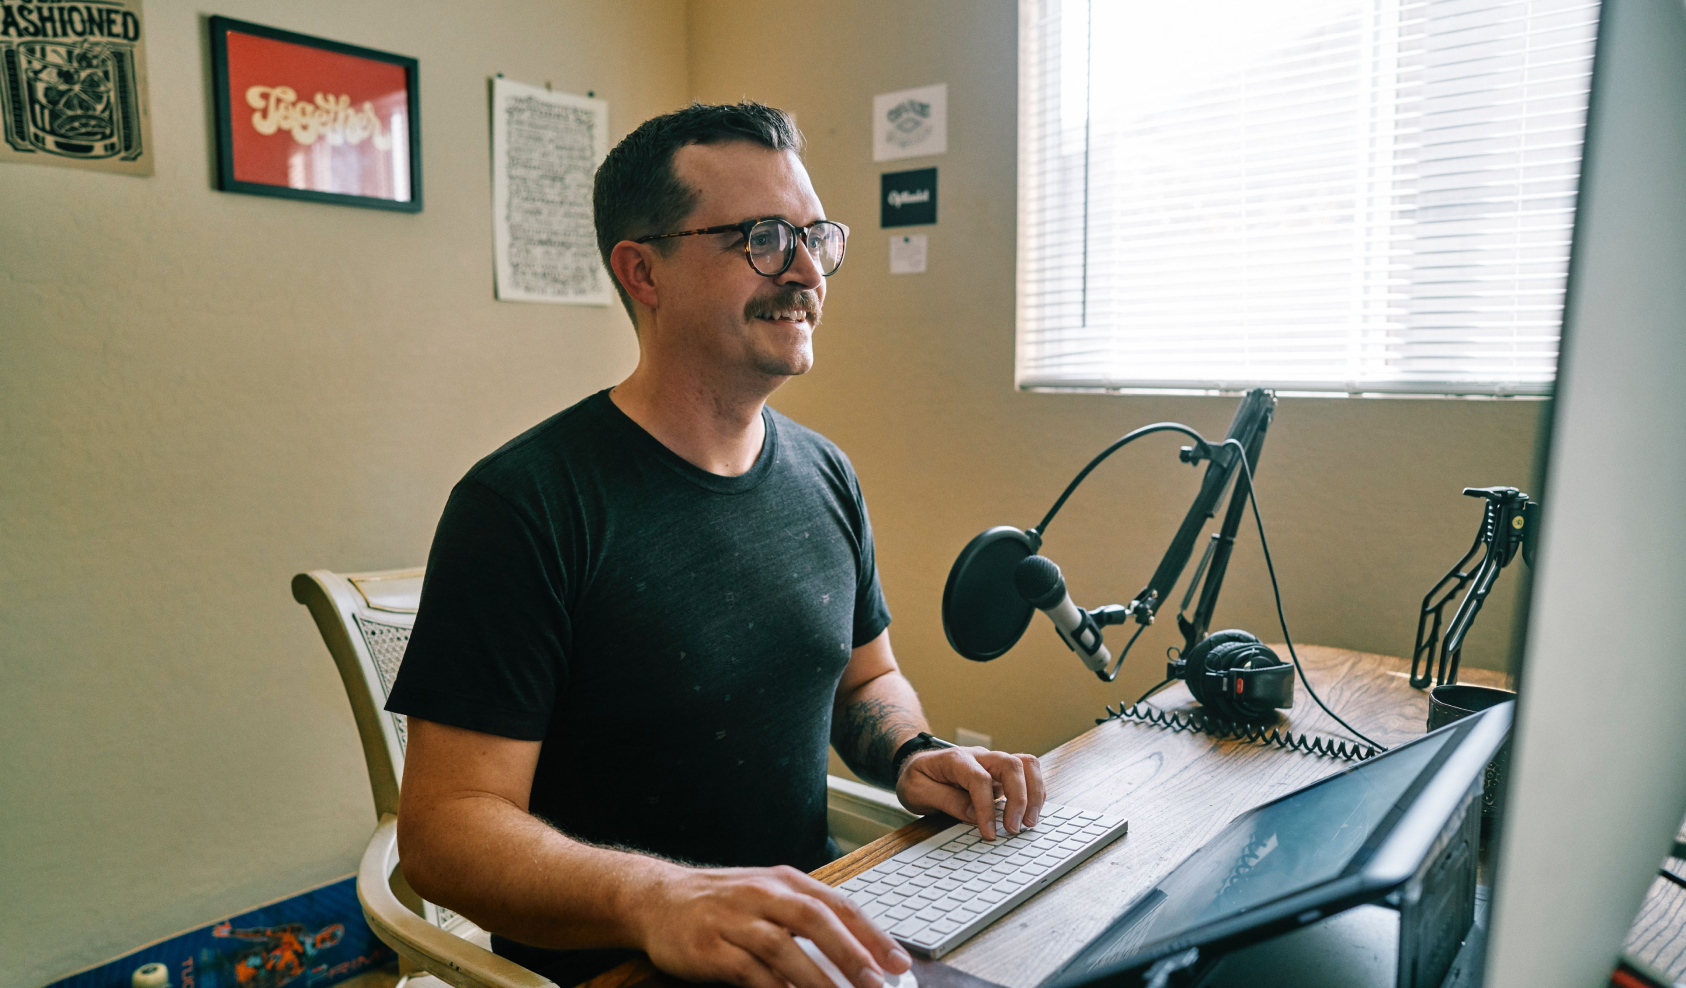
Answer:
(964, 783)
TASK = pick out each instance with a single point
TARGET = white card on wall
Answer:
(907, 254)
(911, 123)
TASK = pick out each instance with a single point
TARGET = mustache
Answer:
(803, 300)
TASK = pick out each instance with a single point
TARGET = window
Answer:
(1362, 196)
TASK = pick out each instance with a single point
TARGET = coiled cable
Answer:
(1225, 730)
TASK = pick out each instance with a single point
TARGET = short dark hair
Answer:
(637, 193)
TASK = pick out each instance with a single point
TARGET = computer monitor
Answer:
(1598, 771)
(1401, 828)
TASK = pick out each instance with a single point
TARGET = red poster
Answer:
(307, 118)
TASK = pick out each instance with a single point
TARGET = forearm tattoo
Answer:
(867, 732)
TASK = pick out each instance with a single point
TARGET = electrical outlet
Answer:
(966, 737)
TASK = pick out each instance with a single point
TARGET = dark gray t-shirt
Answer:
(674, 637)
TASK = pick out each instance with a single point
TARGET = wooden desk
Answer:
(1176, 789)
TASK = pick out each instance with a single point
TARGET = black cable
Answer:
(1128, 438)
(1163, 682)
(1127, 646)
(1161, 685)
(1276, 591)
(1228, 730)
(1119, 662)
(1671, 876)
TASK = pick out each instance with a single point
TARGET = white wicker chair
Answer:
(365, 619)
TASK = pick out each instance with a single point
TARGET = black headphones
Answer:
(1235, 676)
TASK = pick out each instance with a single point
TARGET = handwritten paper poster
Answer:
(545, 151)
(73, 85)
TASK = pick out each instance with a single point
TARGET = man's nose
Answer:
(804, 269)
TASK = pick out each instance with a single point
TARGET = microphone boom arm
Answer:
(1247, 428)
(1246, 431)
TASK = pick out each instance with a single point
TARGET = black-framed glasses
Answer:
(769, 244)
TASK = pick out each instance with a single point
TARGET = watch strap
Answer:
(923, 741)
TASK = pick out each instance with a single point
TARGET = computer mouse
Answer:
(890, 980)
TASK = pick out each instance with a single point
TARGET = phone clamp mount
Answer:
(1508, 526)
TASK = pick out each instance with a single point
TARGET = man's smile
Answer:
(791, 308)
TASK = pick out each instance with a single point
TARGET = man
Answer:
(643, 618)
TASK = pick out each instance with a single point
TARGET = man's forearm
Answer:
(505, 869)
(872, 721)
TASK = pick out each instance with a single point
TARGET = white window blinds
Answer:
(1318, 195)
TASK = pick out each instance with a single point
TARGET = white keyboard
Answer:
(934, 895)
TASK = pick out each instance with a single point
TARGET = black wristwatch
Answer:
(923, 741)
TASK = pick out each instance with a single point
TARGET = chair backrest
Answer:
(365, 619)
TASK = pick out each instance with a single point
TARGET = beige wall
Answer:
(914, 379)
(202, 394)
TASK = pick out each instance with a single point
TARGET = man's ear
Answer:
(633, 267)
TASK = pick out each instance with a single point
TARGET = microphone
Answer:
(1039, 582)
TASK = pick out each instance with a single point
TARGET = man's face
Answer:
(712, 303)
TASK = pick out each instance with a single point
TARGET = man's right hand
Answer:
(737, 924)
(468, 840)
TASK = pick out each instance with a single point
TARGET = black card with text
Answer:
(908, 198)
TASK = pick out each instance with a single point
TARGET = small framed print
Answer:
(306, 118)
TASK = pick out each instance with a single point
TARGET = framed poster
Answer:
(305, 118)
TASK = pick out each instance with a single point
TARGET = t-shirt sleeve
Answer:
(489, 649)
(872, 614)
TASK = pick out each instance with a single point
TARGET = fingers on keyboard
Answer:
(935, 897)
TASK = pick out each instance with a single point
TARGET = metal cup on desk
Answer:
(1456, 701)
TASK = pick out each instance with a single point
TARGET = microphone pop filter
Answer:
(983, 613)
